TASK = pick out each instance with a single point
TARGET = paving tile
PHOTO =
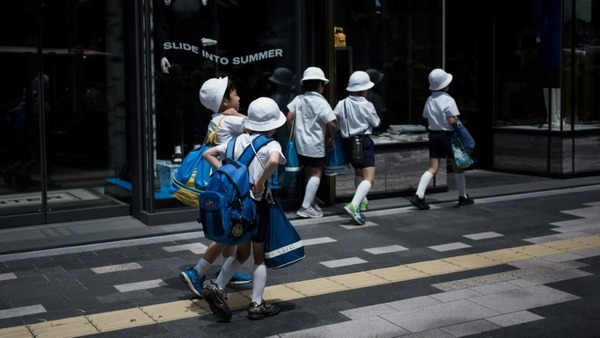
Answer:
(455, 295)
(523, 298)
(343, 262)
(156, 283)
(483, 235)
(316, 287)
(440, 315)
(16, 332)
(118, 320)
(368, 311)
(116, 268)
(435, 267)
(398, 273)
(358, 280)
(470, 328)
(319, 240)
(385, 249)
(67, 327)
(449, 247)
(514, 318)
(7, 276)
(371, 327)
(22, 311)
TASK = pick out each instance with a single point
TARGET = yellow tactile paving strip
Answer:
(88, 324)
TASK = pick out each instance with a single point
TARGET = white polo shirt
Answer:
(311, 115)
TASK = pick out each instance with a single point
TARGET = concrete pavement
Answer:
(523, 261)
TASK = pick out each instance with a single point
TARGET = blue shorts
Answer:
(440, 144)
(368, 152)
(262, 221)
(314, 162)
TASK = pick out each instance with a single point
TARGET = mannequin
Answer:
(183, 29)
(549, 25)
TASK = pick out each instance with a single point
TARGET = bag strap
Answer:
(248, 154)
(216, 129)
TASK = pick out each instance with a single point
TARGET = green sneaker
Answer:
(354, 213)
(364, 205)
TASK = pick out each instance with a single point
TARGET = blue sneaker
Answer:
(238, 278)
(190, 277)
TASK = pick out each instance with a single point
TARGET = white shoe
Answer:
(309, 212)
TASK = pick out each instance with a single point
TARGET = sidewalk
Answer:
(480, 184)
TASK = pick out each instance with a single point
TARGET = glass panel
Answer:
(399, 42)
(197, 40)
(79, 101)
(546, 65)
(20, 191)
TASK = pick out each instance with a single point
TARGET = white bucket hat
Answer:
(212, 92)
(439, 79)
(264, 115)
(314, 73)
(359, 81)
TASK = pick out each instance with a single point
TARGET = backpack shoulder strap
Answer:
(229, 153)
(248, 154)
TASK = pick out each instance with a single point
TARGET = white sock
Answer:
(259, 281)
(202, 267)
(423, 183)
(357, 180)
(361, 191)
(461, 184)
(311, 191)
(230, 266)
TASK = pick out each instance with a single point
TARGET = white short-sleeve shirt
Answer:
(256, 167)
(312, 113)
(438, 107)
(230, 126)
(357, 116)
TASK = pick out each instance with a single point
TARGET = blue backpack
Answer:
(227, 212)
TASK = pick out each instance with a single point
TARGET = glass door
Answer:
(62, 108)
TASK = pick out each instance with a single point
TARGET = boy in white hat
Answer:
(264, 117)
(220, 96)
(441, 112)
(357, 118)
(314, 129)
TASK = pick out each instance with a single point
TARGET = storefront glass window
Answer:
(250, 42)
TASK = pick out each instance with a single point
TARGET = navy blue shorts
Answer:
(368, 152)
(440, 144)
(263, 219)
(315, 162)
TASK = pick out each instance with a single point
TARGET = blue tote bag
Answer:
(336, 162)
(284, 246)
(461, 132)
(292, 166)
(462, 159)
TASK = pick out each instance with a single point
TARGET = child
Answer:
(357, 118)
(264, 117)
(220, 96)
(440, 111)
(314, 124)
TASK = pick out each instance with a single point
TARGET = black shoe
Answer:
(261, 311)
(419, 202)
(177, 158)
(217, 301)
(464, 201)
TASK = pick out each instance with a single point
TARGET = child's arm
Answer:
(330, 135)
(270, 167)
(212, 157)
